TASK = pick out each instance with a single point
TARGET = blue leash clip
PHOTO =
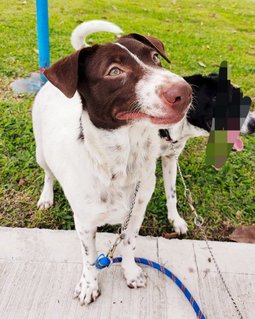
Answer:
(102, 261)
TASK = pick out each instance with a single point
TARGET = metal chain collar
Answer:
(199, 221)
(124, 227)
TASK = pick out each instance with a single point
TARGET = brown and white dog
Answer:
(197, 122)
(96, 124)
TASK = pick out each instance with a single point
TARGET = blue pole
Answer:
(43, 35)
(33, 83)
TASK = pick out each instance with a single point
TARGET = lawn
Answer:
(198, 35)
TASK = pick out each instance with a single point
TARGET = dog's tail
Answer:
(80, 33)
(249, 124)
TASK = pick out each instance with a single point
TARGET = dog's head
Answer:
(204, 95)
(219, 108)
(205, 90)
(123, 81)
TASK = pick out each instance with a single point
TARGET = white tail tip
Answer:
(79, 34)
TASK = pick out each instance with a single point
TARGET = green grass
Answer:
(193, 31)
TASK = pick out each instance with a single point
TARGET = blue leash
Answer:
(104, 261)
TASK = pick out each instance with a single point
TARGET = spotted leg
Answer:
(169, 174)
(87, 289)
(134, 274)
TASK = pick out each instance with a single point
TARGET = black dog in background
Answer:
(204, 95)
(198, 122)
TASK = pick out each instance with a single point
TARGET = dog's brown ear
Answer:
(152, 42)
(64, 74)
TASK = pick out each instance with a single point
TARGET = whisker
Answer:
(194, 85)
(194, 102)
(135, 107)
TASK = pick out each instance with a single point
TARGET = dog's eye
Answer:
(155, 58)
(115, 71)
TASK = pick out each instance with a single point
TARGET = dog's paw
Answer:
(86, 292)
(46, 198)
(180, 226)
(135, 277)
(41, 204)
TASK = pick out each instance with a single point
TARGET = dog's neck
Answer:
(111, 151)
(176, 130)
(184, 130)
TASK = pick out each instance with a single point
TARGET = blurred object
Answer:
(244, 234)
(230, 110)
(170, 235)
(31, 84)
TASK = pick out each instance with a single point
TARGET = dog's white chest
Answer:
(127, 161)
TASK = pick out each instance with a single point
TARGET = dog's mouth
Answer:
(129, 116)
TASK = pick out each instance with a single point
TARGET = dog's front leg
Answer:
(134, 274)
(87, 289)
(169, 168)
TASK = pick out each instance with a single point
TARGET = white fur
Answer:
(148, 86)
(179, 133)
(98, 175)
(84, 29)
(250, 116)
(85, 173)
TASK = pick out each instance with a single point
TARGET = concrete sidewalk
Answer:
(40, 268)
